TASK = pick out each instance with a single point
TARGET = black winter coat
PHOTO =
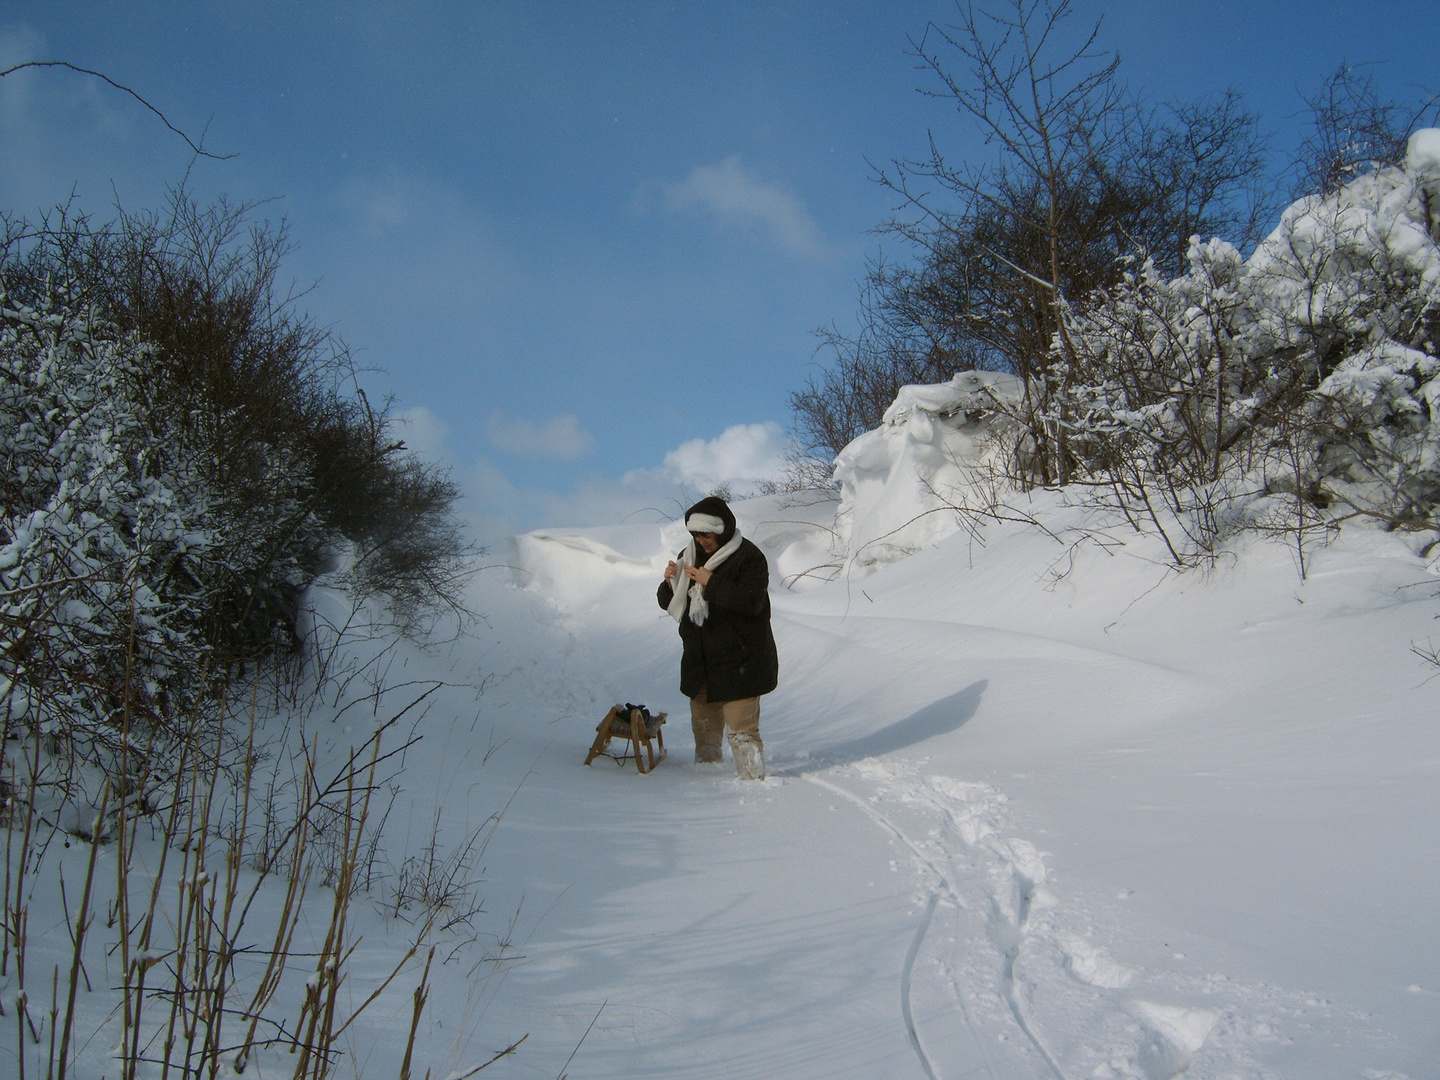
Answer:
(733, 654)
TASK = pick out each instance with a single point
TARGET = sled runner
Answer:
(638, 728)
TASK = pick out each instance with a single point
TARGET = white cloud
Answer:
(378, 208)
(560, 437)
(739, 457)
(497, 507)
(20, 45)
(731, 192)
(424, 433)
(394, 203)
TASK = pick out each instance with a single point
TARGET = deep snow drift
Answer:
(1042, 807)
(1039, 807)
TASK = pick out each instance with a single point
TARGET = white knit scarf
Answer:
(699, 608)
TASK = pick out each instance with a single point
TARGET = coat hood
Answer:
(716, 507)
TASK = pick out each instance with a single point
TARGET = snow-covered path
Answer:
(1082, 829)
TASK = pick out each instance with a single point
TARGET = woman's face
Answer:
(707, 542)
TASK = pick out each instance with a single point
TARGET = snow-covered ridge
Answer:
(573, 568)
(898, 481)
(1051, 812)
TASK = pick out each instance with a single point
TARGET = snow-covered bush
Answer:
(1361, 277)
(1285, 391)
(119, 550)
(181, 458)
(261, 403)
(1306, 371)
(102, 537)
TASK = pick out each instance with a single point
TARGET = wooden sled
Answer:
(639, 732)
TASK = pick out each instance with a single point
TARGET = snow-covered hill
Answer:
(1041, 806)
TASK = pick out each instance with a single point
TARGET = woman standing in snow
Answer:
(719, 593)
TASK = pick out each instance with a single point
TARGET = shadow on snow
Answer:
(938, 718)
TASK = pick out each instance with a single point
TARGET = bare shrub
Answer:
(1353, 129)
(439, 884)
(201, 987)
(1083, 173)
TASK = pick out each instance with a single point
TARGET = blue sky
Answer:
(585, 245)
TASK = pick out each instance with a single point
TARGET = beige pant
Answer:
(710, 719)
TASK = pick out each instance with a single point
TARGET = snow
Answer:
(1422, 155)
(1121, 821)
(1032, 812)
(898, 480)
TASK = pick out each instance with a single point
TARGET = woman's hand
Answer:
(670, 569)
(698, 573)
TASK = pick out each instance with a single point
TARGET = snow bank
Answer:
(899, 482)
(574, 569)
(1125, 819)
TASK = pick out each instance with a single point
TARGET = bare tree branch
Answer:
(198, 148)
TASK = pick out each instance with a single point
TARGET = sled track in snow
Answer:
(1009, 949)
(905, 1011)
(914, 950)
(1007, 982)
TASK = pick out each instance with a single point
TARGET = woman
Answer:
(718, 590)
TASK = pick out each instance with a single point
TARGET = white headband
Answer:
(705, 523)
